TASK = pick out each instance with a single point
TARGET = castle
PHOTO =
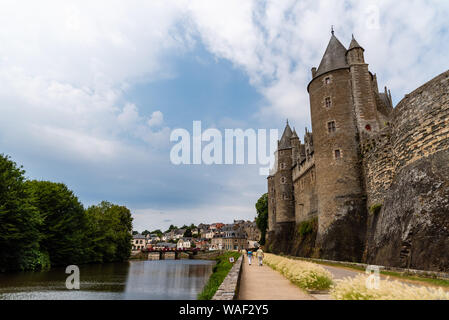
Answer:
(370, 182)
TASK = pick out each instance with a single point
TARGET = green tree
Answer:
(172, 227)
(262, 216)
(144, 233)
(110, 232)
(188, 233)
(64, 224)
(158, 232)
(19, 221)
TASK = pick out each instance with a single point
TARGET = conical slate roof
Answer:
(334, 58)
(354, 44)
(285, 140)
(294, 134)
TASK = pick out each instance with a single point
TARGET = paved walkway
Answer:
(263, 283)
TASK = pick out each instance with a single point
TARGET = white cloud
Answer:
(277, 43)
(156, 119)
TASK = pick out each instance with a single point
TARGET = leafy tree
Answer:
(110, 232)
(172, 227)
(158, 232)
(262, 216)
(144, 233)
(19, 221)
(63, 228)
(43, 222)
(135, 232)
(188, 233)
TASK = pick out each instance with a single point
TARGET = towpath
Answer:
(263, 283)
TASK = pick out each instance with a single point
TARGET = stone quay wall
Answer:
(228, 289)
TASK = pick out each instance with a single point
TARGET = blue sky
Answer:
(90, 92)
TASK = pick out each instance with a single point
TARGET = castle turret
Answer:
(296, 143)
(284, 211)
(283, 179)
(341, 205)
(362, 90)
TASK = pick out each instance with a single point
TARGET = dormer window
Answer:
(328, 102)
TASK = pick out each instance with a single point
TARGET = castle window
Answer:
(283, 180)
(368, 127)
(327, 80)
(328, 102)
(283, 166)
(285, 196)
(331, 126)
(337, 154)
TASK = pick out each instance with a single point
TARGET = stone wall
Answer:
(412, 228)
(228, 289)
(420, 124)
(306, 199)
(377, 156)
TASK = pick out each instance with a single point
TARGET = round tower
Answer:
(283, 180)
(341, 207)
(271, 204)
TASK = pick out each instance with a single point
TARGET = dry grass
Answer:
(305, 275)
(356, 289)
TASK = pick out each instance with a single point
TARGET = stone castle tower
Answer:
(370, 182)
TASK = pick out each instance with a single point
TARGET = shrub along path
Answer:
(264, 283)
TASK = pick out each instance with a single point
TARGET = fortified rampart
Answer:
(410, 228)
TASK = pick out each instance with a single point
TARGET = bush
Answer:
(356, 289)
(306, 275)
(219, 272)
(306, 227)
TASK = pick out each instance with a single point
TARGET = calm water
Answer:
(155, 280)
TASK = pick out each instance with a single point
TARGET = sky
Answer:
(90, 91)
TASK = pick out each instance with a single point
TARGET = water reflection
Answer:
(169, 279)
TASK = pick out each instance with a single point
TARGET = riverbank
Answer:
(219, 273)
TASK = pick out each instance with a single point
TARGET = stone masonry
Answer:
(361, 150)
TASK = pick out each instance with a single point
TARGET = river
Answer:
(149, 280)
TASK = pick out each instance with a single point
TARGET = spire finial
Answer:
(332, 29)
(287, 121)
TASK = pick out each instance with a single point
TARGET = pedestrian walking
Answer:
(260, 255)
(250, 256)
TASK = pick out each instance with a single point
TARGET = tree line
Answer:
(159, 233)
(43, 224)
